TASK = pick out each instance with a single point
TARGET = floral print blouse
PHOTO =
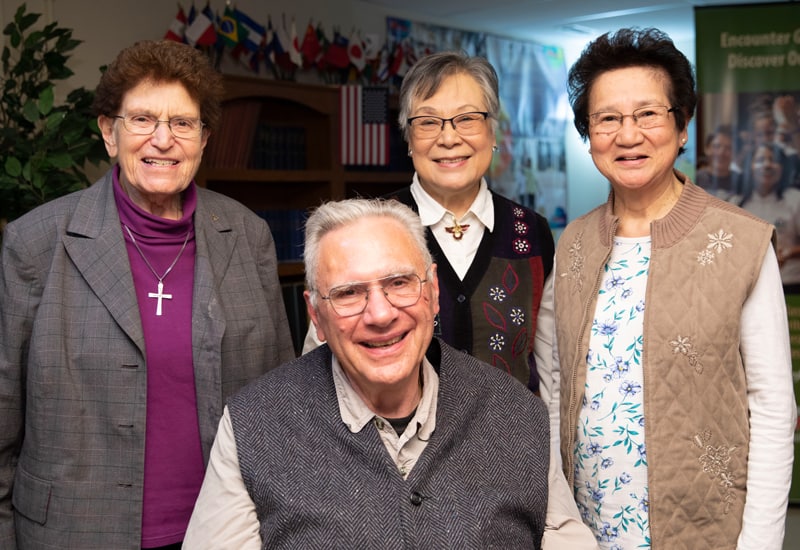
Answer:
(610, 454)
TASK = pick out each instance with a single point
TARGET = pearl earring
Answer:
(494, 148)
(409, 152)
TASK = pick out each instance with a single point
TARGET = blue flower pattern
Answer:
(610, 453)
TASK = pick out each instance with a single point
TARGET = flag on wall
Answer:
(364, 112)
(177, 27)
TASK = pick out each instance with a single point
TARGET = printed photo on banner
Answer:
(748, 73)
(748, 123)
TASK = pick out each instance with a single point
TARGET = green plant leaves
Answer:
(43, 145)
(46, 100)
(13, 167)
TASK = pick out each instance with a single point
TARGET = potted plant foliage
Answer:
(44, 147)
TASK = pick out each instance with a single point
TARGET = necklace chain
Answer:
(159, 295)
(147, 262)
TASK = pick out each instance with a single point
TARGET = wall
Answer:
(110, 25)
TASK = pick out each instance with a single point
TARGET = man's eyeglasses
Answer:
(466, 124)
(610, 122)
(144, 125)
(351, 299)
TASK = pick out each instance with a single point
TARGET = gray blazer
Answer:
(72, 362)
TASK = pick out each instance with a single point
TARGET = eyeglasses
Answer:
(351, 299)
(610, 122)
(144, 125)
(466, 124)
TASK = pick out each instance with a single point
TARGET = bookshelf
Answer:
(277, 152)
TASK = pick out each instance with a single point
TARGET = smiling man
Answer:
(383, 437)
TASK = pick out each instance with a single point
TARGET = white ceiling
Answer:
(557, 22)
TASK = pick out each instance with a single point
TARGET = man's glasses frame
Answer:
(400, 290)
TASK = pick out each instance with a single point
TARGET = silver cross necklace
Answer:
(160, 294)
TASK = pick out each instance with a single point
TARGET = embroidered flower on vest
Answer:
(497, 342)
(497, 294)
(520, 245)
(717, 243)
(576, 260)
(683, 345)
(715, 462)
(517, 316)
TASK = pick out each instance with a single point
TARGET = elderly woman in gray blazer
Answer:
(129, 311)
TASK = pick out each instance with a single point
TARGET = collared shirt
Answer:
(479, 216)
(225, 515)
(404, 449)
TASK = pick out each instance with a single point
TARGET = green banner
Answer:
(751, 48)
(748, 78)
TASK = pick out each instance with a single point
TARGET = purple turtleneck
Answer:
(173, 461)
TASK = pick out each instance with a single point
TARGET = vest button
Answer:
(416, 499)
(461, 298)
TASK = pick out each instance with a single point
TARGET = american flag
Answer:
(364, 125)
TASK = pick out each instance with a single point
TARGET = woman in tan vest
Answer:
(676, 405)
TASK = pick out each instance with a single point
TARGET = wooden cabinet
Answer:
(301, 173)
(277, 151)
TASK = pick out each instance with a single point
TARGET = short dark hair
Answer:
(161, 61)
(630, 47)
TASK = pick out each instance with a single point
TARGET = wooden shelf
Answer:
(291, 270)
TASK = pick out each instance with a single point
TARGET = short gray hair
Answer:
(423, 79)
(336, 214)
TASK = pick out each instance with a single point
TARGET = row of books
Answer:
(245, 141)
(287, 228)
(279, 148)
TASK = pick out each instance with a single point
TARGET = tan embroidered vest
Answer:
(706, 256)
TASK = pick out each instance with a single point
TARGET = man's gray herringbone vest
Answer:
(481, 482)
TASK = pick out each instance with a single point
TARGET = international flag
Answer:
(311, 48)
(177, 27)
(248, 28)
(399, 65)
(324, 46)
(294, 50)
(382, 71)
(289, 57)
(355, 51)
(364, 112)
(272, 44)
(200, 31)
(228, 28)
(336, 55)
